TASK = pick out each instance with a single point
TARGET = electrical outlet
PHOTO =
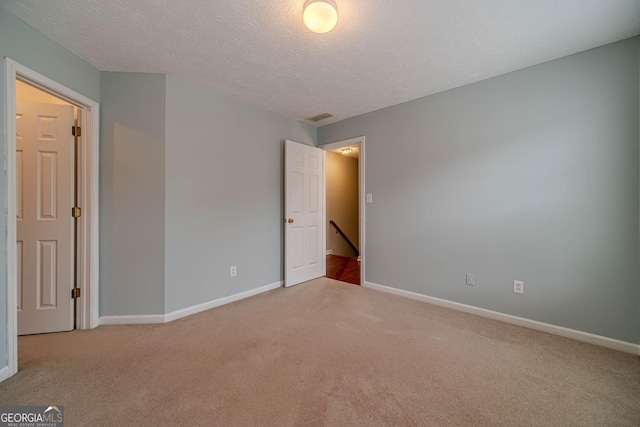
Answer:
(369, 197)
(518, 286)
(470, 280)
(233, 271)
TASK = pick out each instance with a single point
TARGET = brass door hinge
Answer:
(76, 212)
(75, 293)
(76, 131)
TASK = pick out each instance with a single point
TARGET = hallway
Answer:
(344, 269)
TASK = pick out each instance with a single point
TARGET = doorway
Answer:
(345, 210)
(87, 236)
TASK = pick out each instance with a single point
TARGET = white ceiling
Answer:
(381, 53)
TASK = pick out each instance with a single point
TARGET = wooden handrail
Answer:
(344, 236)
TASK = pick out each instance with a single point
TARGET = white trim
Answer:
(184, 312)
(325, 227)
(361, 189)
(12, 278)
(88, 237)
(4, 373)
(587, 337)
(131, 319)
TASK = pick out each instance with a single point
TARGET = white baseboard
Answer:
(184, 312)
(4, 373)
(329, 252)
(131, 319)
(587, 337)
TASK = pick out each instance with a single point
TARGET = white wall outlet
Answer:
(369, 197)
(518, 286)
(233, 271)
(470, 280)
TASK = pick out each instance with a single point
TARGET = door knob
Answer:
(290, 220)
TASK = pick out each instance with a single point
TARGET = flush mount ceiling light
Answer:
(346, 151)
(320, 16)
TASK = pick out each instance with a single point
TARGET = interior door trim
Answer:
(88, 199)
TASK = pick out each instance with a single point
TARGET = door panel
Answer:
(44, 196)
(47, 277)
(304, 209)
(47, 185)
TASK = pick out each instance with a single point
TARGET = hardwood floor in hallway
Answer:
(343, 268)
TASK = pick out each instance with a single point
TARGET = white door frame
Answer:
(88, 198)
(361, 192)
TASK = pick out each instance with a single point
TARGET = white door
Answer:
(44, 198)
(304, 210)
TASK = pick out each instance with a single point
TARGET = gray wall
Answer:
(224, 194)
(132, 181)
(532, 175)
(25, 45)
(191, 183)
(342, 203)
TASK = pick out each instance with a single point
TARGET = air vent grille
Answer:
(320, 117)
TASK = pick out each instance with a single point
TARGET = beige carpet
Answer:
(326, 353)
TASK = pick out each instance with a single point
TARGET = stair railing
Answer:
(344, 236)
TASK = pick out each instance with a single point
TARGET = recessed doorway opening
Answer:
(345, 210)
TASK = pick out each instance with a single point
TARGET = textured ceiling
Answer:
(381, 53)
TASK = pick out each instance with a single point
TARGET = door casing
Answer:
(88, 199)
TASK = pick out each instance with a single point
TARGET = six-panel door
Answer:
(44, 198)
(304, 209)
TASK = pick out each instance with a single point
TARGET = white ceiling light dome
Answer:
(320, 16)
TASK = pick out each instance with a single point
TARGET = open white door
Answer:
(44, 198)
(304, 209)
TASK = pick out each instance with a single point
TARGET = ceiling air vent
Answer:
(320, 117)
